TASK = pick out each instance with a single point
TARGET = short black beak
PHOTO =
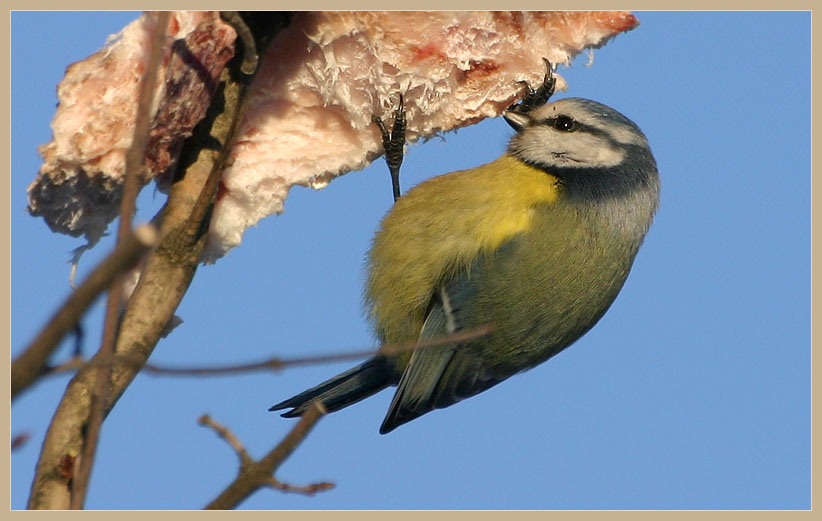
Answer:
(517, 120)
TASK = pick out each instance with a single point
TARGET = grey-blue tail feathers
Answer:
(343, 390)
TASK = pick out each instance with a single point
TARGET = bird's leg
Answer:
(393, 143)
(536, 98)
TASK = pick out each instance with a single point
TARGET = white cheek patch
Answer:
(574, 149)
(595, 151)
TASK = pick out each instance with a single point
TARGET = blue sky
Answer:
(693, 392)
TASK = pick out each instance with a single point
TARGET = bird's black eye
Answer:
(564, 123)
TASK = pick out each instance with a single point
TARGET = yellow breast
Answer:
(439, 227)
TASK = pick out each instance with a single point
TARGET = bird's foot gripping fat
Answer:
(536, 98)
(393, 140)
(393, 143)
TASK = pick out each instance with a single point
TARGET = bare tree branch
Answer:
(31, 363)
(257, 474)
(131, 187)
(166, 277)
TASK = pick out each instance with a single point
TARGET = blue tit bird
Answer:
(535, 246)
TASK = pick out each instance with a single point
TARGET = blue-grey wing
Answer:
(439, 376)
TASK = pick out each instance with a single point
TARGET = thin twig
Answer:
(31, 363)
(258, 474)
(280, 363)
(308, 490)
(275, 363)
(250, 57)
(224, 433)
(19, 440)
(131, 187)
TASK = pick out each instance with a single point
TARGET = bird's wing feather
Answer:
(439, 376)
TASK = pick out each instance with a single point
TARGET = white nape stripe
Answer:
(625, 135)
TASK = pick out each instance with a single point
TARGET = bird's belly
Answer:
(544, 302)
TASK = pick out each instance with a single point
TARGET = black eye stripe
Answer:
(562, 123)
(577, 126)
(580, 127)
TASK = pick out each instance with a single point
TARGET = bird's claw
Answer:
(393, 143)
(535, 98)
